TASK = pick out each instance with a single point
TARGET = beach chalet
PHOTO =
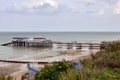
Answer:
(32, 42)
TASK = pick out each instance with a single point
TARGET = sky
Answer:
(59, 15)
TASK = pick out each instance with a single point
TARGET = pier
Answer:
(45, 43)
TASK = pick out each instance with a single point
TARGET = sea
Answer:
(8, 52)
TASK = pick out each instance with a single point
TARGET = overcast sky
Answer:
(59, 15)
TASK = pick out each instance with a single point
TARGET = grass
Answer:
(105, 65)
(52, 72)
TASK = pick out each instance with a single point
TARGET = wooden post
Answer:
(102, 46)
(79, 46)
(90, 46)
(69, 46)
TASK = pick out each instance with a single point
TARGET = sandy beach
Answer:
(17, 70)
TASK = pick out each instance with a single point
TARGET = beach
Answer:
(17, 70)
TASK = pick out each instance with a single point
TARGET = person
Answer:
(76, 65)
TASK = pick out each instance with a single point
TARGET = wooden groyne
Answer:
(23, 62)
(28, 61)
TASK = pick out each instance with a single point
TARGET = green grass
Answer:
(52, 72)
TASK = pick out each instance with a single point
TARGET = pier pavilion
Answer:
(32, 42)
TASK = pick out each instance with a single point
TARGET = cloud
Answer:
(101, 13)
(32, 6)
(40, 3)
(111, 1)
(117, 8)
(76, 7)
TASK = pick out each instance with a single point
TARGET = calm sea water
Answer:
(19, 53)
